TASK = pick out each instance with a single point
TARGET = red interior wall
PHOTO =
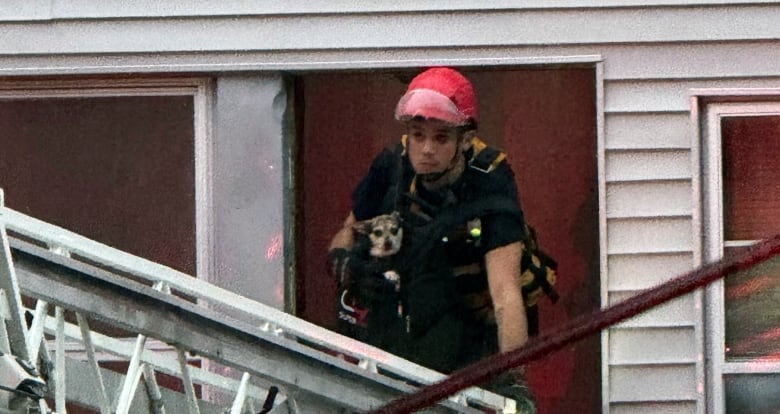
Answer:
(750, 176)
(119, 170)
(544, 118)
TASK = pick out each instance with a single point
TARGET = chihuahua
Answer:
(385, 234)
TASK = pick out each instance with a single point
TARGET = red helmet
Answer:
(440, 93)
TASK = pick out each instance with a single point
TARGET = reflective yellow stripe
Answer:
(478, 145)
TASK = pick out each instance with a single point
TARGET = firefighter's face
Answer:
(432, 145)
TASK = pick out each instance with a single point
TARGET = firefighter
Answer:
(459, 299)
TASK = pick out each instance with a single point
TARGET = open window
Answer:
(741, 172)
(545, 118)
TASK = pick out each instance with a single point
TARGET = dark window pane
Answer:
(752, 312)
(119, 170)
(752, 394)
(751, 177)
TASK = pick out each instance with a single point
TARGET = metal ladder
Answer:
(225, 353)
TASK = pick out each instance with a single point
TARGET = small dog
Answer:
(384, 234)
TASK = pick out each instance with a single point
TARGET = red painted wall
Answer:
(544, 118)
(119, 170)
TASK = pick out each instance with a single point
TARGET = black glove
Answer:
(513, 385)
(373, 289)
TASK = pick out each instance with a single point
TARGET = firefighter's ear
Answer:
(466, 139)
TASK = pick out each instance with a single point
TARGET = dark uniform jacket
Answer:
(443, 284)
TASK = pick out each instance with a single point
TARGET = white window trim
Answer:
(200, 89)
(712, 236)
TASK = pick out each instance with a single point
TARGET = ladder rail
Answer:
(136, 307)
(82, 249)
(15, 327)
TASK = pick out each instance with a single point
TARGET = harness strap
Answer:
(485, 158)
(540, 276)
(451, 216)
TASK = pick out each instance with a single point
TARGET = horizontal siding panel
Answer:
(287, 60)
(13, 10)
(636, 272)
(652, 346)
(675, 407)
(649, 199)
(678, 312)
(146, 8)
(686, 61)
(652, 383)
(388, 30)
(631, 61)
(649, 235)
(668, 96)
(648, 165)
(646, 131)
(650, 66)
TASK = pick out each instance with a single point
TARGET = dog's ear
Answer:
(363, 227)
(395, 215)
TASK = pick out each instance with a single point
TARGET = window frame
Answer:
(716, 105)
(201, 91)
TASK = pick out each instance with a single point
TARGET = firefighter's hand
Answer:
(373, 288)
(365, 283)
(513, 385)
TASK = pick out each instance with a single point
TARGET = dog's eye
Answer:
(377, 233)
(394, 230)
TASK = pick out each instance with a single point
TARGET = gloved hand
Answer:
(513, 385)
(372, 289)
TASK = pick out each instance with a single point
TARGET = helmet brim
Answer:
(428, 103)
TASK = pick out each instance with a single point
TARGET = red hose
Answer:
(579, 328)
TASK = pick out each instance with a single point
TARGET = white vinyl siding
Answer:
(679, 312)
(642, 235)
(669, 198)
(380, 29)
(648, 165)
(636, 272)
(671, 382)
(46, 9)
(653, 346)
(651, 130)
(640, 42)
(657, 408)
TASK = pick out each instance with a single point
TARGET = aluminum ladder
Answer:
(227, 353)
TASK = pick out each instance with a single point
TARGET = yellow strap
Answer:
(478, 145)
